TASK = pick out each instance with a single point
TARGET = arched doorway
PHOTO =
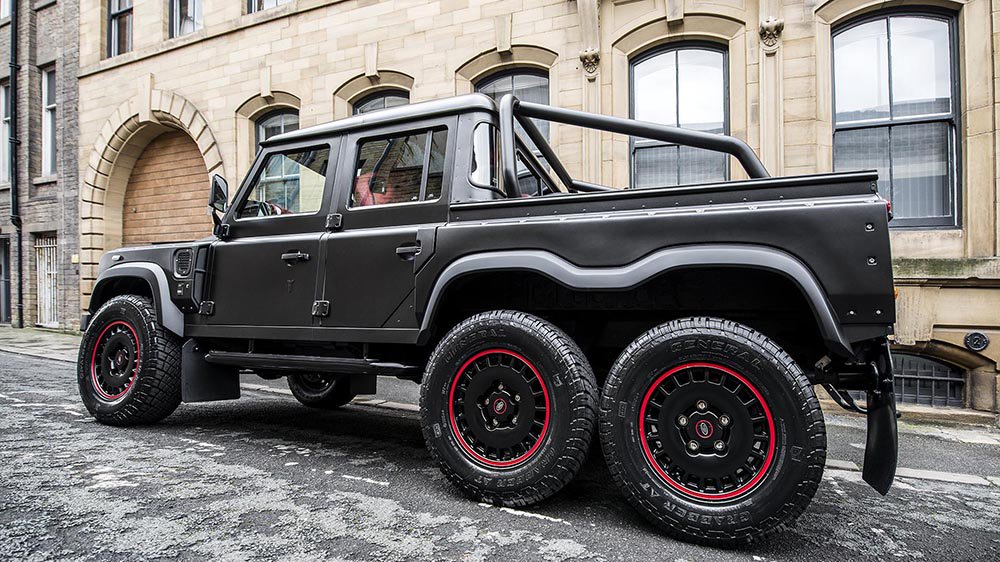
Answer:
(167, 193)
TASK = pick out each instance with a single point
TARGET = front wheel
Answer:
(712, 431)
(129, 368)
(508, 408)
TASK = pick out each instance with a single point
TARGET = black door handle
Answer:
(408, 251)
(295, 256)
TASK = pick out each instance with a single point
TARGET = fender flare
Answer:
(631, 275)
(167, 312)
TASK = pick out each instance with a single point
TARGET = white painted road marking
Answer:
(528, 514)
(368, 480)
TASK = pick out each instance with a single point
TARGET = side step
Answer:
(339, 365)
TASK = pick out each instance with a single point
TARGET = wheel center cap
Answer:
(499, 406)
(704, 429)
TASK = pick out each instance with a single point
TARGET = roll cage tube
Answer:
(514, 111)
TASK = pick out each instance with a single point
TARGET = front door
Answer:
(394, 196)
(264, 274)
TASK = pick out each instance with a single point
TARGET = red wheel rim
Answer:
(667, 462)
(473, 435)
(115, 374)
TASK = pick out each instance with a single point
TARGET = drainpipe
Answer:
(15, 212)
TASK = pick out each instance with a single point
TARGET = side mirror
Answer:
(218, 199)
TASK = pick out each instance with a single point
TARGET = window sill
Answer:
(4, 21)
(45, 180)
(4, 186)
(42, 4)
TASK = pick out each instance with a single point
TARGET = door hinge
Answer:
(333, 221)
(206, 308)
(321, 309)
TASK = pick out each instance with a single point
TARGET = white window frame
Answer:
(254, 6)
(49, 149)
(175, 17)
(5, 8)
(5, 132)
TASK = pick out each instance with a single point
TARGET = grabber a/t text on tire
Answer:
(712, 431)
(129, 370)
(508, 407)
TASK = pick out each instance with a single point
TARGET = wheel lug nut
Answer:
(517, 398)
(513, 420)
(701, 405)
(719, 445)
(724, 420)
(682, 421)
(495, 423)
(693, 445)
(500, 386)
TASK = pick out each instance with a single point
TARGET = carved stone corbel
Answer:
(590, 25)
(770, 33)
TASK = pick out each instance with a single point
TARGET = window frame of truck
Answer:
(676, 47)
(954, 163)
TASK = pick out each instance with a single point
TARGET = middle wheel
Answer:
(508, 407)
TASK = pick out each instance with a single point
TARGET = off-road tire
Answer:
(153, 369)
(334, 394)
(786, 485)
(544, 353)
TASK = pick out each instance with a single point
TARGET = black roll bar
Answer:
(513, 110)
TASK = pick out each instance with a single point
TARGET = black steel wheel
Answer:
(709, 418)
(321, 390)
(508, 407)
(128, 371)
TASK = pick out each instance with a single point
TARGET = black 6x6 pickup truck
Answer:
(446, 243)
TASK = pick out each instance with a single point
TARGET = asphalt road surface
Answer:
(265, 478)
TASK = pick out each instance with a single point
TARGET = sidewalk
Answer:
(47, 344)
(61, 346)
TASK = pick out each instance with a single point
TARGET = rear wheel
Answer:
(508, 407)
(129, 367)
(712, 431)
(321, 390)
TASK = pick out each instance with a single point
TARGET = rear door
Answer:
(265, 273)
(393, 193)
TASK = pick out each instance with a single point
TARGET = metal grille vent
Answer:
(182, 263)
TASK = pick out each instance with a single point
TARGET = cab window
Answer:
(289, 183)
(404, 168)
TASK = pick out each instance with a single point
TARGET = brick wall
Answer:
(47, 38)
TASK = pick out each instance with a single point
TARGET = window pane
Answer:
(920, 170)
(122, 34)
(50, 87)
(654, 89)
(391, 170)
(526, 87)
(921, 66)
(864, 149)
(289, 184)
(383, 101)
(861, 71)
(656, 166)
(702, 103)
(275, 124)
(435, 172)
(701, 166)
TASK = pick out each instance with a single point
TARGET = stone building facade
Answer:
(48, 165)
(907, 87)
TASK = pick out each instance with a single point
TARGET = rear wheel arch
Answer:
(495, 278)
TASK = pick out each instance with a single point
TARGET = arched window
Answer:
(381, 100)
(275, 123)
(682, 86)
(527, 85)
(895, 110)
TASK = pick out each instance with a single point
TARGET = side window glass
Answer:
(404, 168)
(288, 184)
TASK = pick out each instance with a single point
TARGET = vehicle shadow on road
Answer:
(392, 440)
